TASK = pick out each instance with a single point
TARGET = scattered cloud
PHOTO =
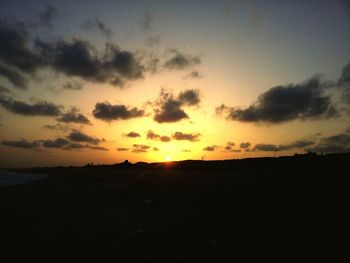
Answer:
(132, 134)
(39, 108)
(192, 137)
(73, 116)
(153, 136)
(178, 61)
(244, 145)
(332, 144)
(121, 149)
(107, 112)
(13, 76)
(47, 16)
(169, 108)
(57, 143)
(210, 148)
(97, 24)
(22, 143)
(140, 148)
(286, 103)
(147, 21)
(194, 75)
(78, 136)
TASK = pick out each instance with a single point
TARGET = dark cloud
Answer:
(72, 85)
(296, 144)
(57, 127)
(73, 116)
(333, 144)
(99, 25)
(210, 148)
(165, 138)
(192, 137)
(153, 136)
(13, 76)
(79, 58)
(39, 108)
(3, 91)
(194, 75)
(244, 145)
(122, 149)
(57, 143)
(108, 112)
(140, 148)
(132, 134)
(22, 143)
(147, 20)
(169, 108)
(178, 60)
(189, 97)
(74, 146)
(78, 136)
(152, 41)
(15, 49)
(265, 147)
(285, 103)
(230, 147)
(273, 147)
(155, 149)
(96, 148)
(344, 84)
(46, 17)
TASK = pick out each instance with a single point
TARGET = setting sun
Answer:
(168, 158)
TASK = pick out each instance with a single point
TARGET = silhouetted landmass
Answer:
(286, 209)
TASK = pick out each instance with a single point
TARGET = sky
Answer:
(105, 81)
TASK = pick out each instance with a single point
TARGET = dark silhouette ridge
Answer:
(283, 209)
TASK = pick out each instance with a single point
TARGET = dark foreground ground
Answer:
(260, 210)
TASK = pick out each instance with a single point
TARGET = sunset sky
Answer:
(105, 81)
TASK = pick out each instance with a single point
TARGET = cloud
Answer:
(189, 97)
(286, 103)
(13, 76)
(210, 148)
(169, 108)
(152, 41)
(96, 148)
(79, 58)
(72, 85)
(194, 75)
(15, 49)
(39, 108)
(122, 149)
(344, 83)
(185, 150)
(57, 127)
(22, 143)
(155, 149)
(153, 136)
(99, 25)
(78, 136)
(192, 137)
(265, 147)
(46, 17)
(229, 147)
(140, 148)
(132, 134)
(244, 145)
(73, 116)
(57, 143)
(108, 112)
(147, 20)
(293, 145)
(333, 144)
(178, 60)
